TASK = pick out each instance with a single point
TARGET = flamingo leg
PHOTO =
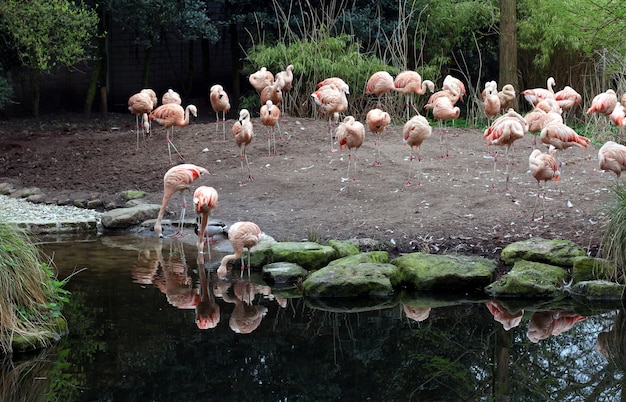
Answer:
(181, 220)
(330, 134)
(377, 145)
(408, 180)
(507, 167)
(493, 174)
(171, 145)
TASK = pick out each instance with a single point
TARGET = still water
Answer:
(150, 322)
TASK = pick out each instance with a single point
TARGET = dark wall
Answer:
(64, 90)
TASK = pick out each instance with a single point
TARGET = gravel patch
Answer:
(47, 218)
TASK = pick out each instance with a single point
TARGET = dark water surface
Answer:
(140, 303)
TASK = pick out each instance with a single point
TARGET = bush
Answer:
(614, 239)
(6, 91)
(30, 296)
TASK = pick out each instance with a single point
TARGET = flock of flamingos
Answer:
(506, 127)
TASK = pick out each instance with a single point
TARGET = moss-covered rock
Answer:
(598, 290)
(344, 248)
(309, 255)
(589, 269)
(132, 194)
(433, 272)
(530, 279)
(283, 274)
(372, 256)
(350, 280)
(553, 252)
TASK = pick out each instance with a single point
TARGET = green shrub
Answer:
(6, 91)
(614, 239)
(30, 296)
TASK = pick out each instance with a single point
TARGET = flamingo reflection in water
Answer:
(207, 310)
(543, 324)
(173, 278)
(246, 316)
(417, 314)
(503, 316)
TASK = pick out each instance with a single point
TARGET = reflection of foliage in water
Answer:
(81, 345)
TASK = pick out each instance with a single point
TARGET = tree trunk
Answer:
(145, 76)
(508, 44)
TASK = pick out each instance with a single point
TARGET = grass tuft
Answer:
(614, 238)
(30, 296)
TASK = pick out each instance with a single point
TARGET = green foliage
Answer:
(30, 295)
(6, 91)
(315, 59)
(47, 33)
(552, 28)
(614, 239)
(150, 19)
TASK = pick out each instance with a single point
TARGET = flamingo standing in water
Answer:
(140, 105)
(612, 156)
(409, 83)
(241, 235)
(350, 134)
(415, 132)
(504, 131)
(377, 121)
(177, 179)
(170, 115)
(543, 167)
(243, 132)
(220, 103)
(204, 201)
(332, 101)
(270, 114)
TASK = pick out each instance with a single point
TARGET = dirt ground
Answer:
(299, 193)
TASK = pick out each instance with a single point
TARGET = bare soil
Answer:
(301, 193)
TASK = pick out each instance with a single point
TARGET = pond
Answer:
(150, 322)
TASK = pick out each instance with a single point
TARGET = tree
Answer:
(153, 20)
(508, 43)
(46, 34)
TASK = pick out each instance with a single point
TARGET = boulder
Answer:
(553, 252)
(132, 195)
(372, 256)
(309, 255)
(350, 280)
(344, 247)
(433, 272)
(283, 274)
(589, 269)
(530, 279)
(598, 290)
(121, 218)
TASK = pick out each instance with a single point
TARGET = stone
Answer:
(121, 218)
(132, 194)
(598, 290)
(344, 247)
(372, 256)
(283, 274)
(554, 252)
(589, 269)
(26, 192)
(448, 273)
(7, 188)
(93, 204)
(530, 279)
(309, 255)
(350, 280)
